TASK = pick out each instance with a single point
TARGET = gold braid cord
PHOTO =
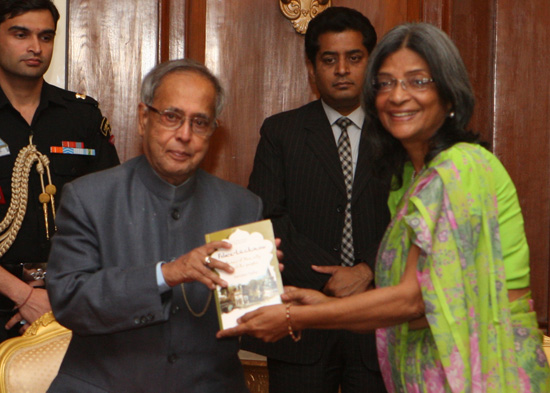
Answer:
(10, 225)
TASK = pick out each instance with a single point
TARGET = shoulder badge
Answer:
(105, 127)
(80, 98)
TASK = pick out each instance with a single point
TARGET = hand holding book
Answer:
(256, 280)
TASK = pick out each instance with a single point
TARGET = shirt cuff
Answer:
(163, 287)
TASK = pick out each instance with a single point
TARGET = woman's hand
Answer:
(270, 323)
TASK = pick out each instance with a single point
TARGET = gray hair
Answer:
(153, 79)
(440, 53)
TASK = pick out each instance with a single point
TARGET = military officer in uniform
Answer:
(48, 136)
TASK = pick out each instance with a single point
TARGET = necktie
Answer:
(344, 150)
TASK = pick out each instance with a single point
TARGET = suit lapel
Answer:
(320, 139)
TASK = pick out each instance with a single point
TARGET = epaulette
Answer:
(105, 127)
(79, 97)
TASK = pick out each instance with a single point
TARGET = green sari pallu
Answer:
(477, 341)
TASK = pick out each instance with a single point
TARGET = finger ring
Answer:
(207, 260)
(22, 322)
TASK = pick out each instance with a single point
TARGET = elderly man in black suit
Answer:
(312, 171)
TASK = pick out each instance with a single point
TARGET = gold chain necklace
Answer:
(193, 312)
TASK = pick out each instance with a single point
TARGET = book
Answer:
(256, 281)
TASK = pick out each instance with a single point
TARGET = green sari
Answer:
(476, 341)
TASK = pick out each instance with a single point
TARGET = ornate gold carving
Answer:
(41, 322)
(300, 12)
(256, 376)
(546, 347)
(30, 362)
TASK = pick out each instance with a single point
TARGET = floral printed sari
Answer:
(477, 341)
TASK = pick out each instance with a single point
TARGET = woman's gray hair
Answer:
(153, 79)
(442, 56)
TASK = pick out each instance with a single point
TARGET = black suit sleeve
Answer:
(268, 181)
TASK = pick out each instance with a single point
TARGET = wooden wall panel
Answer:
(259, 59)
(173, 21)
(437, 12)
(522, 125)
(475, 39)
(195, 32)
(111, 45)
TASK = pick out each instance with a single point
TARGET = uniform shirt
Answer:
(61, 116)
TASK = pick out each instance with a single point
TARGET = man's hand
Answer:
(301, 296)
(37, 305)
(197, 265)
(346, 281)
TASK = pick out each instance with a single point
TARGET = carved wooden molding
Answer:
(300, 12)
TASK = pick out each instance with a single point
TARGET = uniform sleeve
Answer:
(106, 154)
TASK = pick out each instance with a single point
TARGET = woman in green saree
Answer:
(452, 307)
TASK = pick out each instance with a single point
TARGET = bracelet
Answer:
(27, 299)
(297, 337)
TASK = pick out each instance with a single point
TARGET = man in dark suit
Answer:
(330, 233)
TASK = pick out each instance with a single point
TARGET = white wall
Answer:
(56, 72)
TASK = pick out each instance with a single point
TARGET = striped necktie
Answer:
(344, 150)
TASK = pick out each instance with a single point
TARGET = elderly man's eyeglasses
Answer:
(173, 120)
(385, 84)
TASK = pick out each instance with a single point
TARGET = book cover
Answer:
(256, 281)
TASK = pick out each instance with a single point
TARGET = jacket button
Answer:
(176, 214)
(175, 309)
(336, 248)
(172, 358)
(137, 321)
(340, 209)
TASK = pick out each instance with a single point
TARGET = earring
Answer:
(451, 115)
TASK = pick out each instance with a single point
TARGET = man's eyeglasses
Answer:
(173, 120)
(385, 84)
